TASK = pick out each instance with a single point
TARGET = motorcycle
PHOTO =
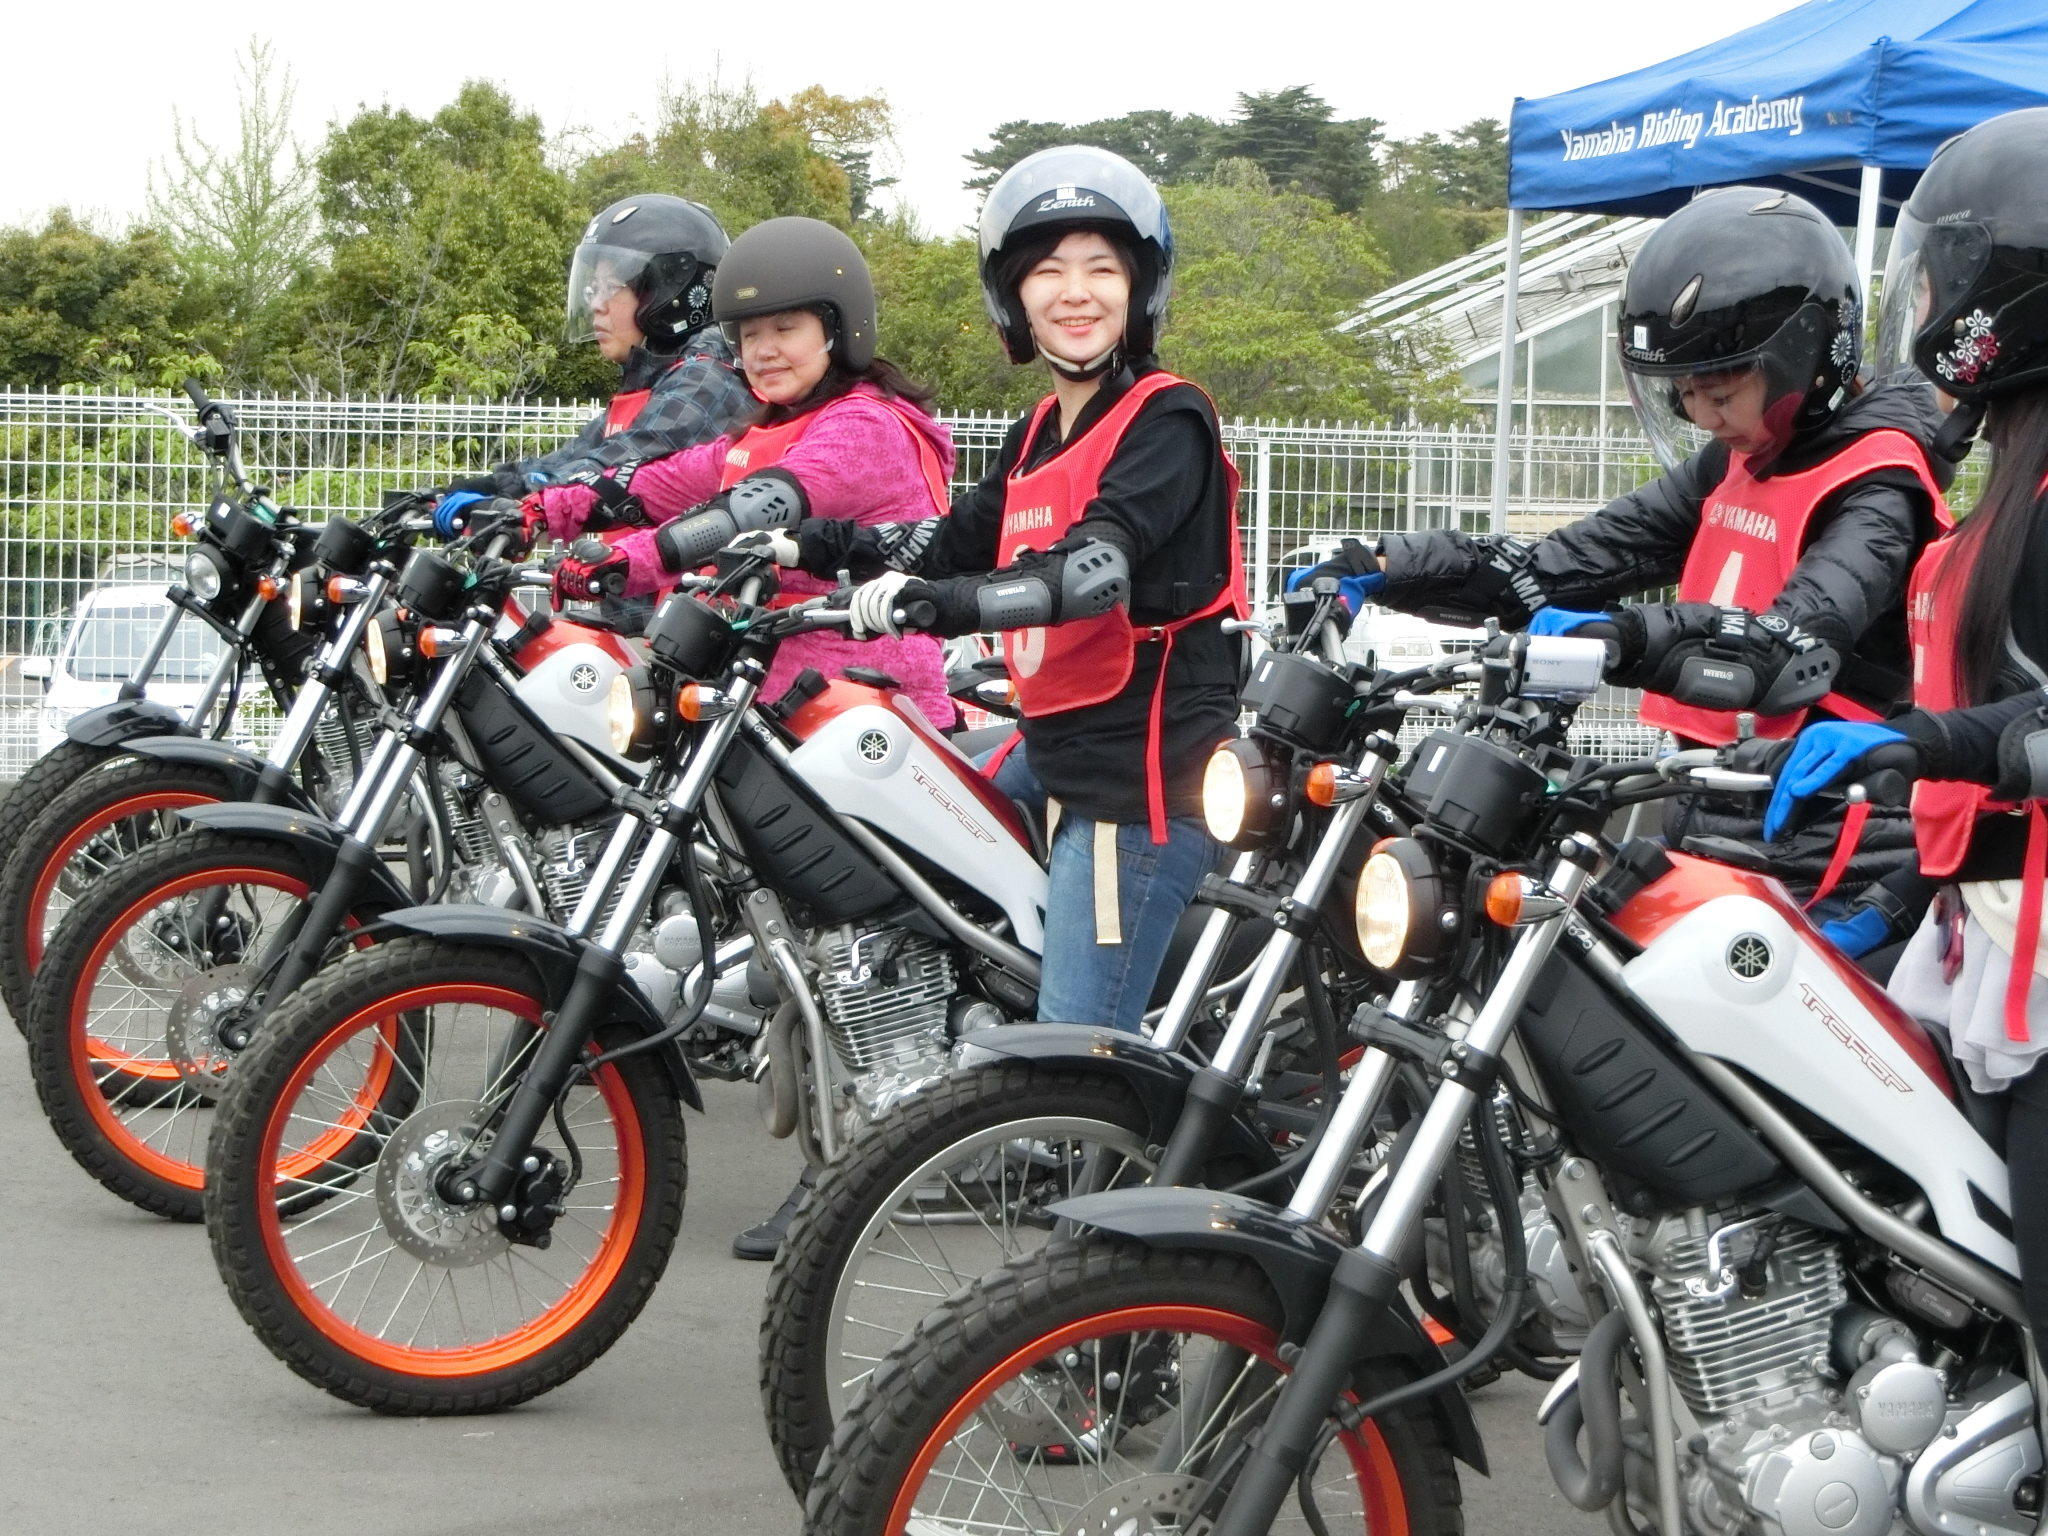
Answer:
(162, 974)
(245, 578)
(1790, 1219)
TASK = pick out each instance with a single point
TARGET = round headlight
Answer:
(621, 717)
(1223, 791)
(203, 575)
(1398, 909)
(374, 654)
(1384, 910)
(1244, 794)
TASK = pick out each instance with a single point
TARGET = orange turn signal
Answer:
(1321, 787)
(268, 587)
(1504, 899)
(433, 642)
(185, 524)
(690, 702)
(337, 589)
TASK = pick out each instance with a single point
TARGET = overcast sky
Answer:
(90, 96)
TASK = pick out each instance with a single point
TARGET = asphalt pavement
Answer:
(136, 1401)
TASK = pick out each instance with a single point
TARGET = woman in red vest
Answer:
(1794, 499)
(1104, 539)
(839, 432)
(1967, 303)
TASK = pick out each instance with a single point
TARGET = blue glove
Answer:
(1562, 621)
(1857, 935)
(448, 511)
(1823, 755)
(1351, 590)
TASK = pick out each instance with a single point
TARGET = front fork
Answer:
(493, 1179)
(1367, 1277)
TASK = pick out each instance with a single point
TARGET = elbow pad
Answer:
(2023, 758)
(1081, 582)
(769, 502)
(1723, 658)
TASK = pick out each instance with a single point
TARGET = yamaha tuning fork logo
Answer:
(583, 677)
(1749, 956)
(873, 745)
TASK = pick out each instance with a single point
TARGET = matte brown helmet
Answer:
(795, 263)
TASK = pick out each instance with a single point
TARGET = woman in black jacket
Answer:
(1792, 507)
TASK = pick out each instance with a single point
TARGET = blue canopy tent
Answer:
(1840, 101)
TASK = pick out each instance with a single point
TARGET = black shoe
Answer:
(760, 1243)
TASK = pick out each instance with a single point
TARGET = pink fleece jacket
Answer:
(854, 461)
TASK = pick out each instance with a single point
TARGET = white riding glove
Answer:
(778, 546)
(873, 608)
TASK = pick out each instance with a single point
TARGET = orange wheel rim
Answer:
(1386, 1507)
(88, 1053)
(539, 1333)
(80, 835)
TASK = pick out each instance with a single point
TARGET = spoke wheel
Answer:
(947, 1186)
(1102, 1387)
(334, 1212)
(73, 816)
(127, 1013)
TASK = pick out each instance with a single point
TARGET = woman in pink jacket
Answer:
(840, 430)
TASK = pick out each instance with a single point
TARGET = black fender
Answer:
(316, 839)
(124, 721)
(248, 775)
(1158, 1077)
(555, 956)
(1297, 1257)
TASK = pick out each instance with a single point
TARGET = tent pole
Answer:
(1867, 205)
(1504, 394)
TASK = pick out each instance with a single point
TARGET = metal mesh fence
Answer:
(89, 483)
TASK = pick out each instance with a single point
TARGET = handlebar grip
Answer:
(195, 392)
(922, 613)
(1887, 787)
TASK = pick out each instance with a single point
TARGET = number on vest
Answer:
(1026, 651)
(1728, 583)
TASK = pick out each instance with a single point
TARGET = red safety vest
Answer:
(758, 447)
(1089, 661)
(1946, 810)
(1751, 535)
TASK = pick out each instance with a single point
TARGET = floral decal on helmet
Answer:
(1975, 349)
(1842, 351)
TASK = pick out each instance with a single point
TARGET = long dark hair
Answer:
(1992, 540)
(839, 379)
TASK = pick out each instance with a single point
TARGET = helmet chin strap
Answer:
(1080, 373)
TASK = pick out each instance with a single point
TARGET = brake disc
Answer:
(409, 1198)
(192, 1032)
(1152, 1504)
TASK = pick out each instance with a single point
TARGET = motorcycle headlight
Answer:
(296, 598)
(1244, 794)
(1399, 910)
(622, 714)
(375, 654)
(203, 575)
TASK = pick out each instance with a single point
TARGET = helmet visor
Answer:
(1682, 413)
(598, 275)
(1750, 404)
(1928, 280)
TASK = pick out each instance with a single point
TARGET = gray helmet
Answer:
(1077, 186)
(795, 263)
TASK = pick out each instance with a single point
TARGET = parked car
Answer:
(104, 637)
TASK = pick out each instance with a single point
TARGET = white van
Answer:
(104, 639)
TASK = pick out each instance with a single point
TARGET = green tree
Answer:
(1166, 146)
(240, 215)
(934, 324)
(80, 307)
(450, 236)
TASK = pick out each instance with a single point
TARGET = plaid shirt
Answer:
(693, 402)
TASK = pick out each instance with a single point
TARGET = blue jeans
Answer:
(1084, 981)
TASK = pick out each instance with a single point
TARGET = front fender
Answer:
(1159, 1078)
(312, 836)
(124, 721)
(555, 956)
(252, 778)
(1297, 1258)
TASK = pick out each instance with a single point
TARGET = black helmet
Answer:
(1077, 186)
(795, 263)
(1966, 286)
(663, 248)
(1741, 281)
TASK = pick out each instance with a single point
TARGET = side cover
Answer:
(874, 765)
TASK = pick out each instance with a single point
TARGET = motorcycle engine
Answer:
(886, 995)
(1819, 1417)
